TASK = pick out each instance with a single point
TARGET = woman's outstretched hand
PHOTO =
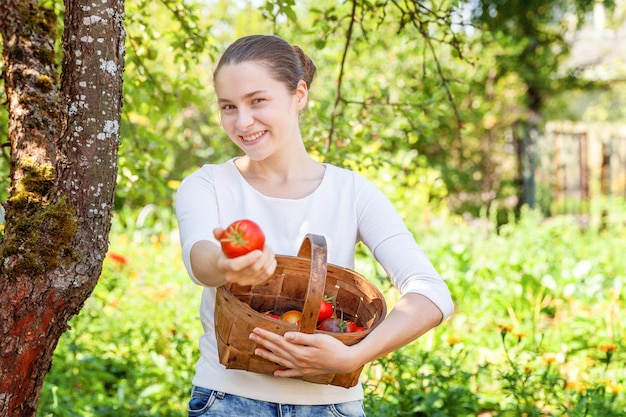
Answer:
(253, 268)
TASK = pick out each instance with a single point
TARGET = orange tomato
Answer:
(292, 316)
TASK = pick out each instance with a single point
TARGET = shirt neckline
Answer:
(242, 179)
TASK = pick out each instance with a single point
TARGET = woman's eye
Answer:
(258, 100)
(228, 107)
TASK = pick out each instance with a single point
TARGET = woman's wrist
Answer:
(203, 259)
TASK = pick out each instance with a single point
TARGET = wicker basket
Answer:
(298, 283)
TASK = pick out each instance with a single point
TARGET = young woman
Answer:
(262, 84)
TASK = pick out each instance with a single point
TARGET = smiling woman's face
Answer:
(259, 113)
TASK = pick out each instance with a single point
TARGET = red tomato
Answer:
(292, 316)
(326, 309)
(334, 325)
(351, 326)
(241, 237)
(272, 315)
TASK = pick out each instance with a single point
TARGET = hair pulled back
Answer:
(286, 63)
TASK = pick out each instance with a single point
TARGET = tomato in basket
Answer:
(272, 315)
(337, 325)
(326, 309)
(333, 325)
(291, 316)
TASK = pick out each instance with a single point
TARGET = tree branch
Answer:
(333, 118)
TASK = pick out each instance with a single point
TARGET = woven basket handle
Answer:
(314, 248)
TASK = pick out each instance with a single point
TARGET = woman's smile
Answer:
(253, 138)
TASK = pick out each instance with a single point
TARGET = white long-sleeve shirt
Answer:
(345, 209)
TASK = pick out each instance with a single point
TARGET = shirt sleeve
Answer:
(196, 212)
(383, 231)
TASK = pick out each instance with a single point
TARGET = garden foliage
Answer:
(537, 330)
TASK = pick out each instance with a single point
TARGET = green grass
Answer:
(538, 329)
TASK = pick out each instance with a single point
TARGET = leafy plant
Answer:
(537, 330)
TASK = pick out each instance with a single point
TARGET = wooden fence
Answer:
(578, 162)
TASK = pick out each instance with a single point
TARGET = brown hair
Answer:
(285, 62)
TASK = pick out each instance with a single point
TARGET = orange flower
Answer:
(550, 357)
(160, 294)
(577, 386)
(117, 257)
(608, 348)
(453, 340)
(505, 328)
(388, 379)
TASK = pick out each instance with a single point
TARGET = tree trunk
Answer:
(64, 145)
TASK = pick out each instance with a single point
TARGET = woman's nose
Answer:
(244, 119)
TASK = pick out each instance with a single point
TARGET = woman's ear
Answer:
(302, 94)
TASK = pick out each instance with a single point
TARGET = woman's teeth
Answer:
(252, 137)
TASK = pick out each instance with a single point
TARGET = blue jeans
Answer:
(208, 403)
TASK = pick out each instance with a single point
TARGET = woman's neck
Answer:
(292, 178)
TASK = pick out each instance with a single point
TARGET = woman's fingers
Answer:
(253, 268)
(303, 354)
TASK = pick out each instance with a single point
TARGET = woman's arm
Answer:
(197, 214)
(212, 268)
(412, 316)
